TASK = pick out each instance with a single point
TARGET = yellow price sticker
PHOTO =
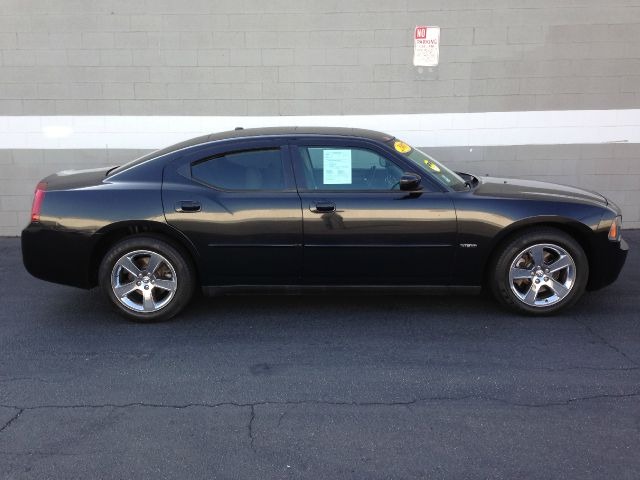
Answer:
(402, 147)
(432, 166)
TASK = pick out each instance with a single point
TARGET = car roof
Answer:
(240, 133)
(299, 131)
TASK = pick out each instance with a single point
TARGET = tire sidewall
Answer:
(177, 258)
(501, 286)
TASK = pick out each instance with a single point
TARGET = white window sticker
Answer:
(336, 167)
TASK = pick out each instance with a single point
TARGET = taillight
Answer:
(615, 231)
(38, 197)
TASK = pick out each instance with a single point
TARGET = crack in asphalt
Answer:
(353, 403)
(12, 419)
(606, 342)
(252, 406)
(250, 426)
(23, 379)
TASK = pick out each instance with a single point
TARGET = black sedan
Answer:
(293, 210)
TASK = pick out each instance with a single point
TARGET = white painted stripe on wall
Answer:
(437, 130)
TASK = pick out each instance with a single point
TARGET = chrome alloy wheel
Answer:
(542, 275)
(143, 281)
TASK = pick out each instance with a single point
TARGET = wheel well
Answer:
(579, 234)
(114, 235)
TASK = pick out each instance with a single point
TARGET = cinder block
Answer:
(18, 58)
(104, 107)
(262, 107)
(180, 58)
(15, 23)
(5, 157)
(249, 91)
(131, 40)
(245, 56)
(8, 219)
(261, 74)
(325, 107)
(489, 35)
(180, 91)
(277, 56)
(195, 40)
(18, 90)
(145, 91)
(229, 107)
(526, 34)
(214, 90)
(147, 22)
(294, 107)
(371, 56)
(213, 57)
(147, 57)
(310, 56)
(117, 57)
(164, 40)
(97, 40)
(228, 39)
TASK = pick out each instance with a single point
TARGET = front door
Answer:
(360, 228)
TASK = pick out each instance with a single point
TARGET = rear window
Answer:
(248, 170)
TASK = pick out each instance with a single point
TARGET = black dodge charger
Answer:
(293, 210)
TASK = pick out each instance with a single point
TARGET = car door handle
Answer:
(188, 206)
(322, 207)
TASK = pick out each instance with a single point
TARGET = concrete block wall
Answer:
(306, 58)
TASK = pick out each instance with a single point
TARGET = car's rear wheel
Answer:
(146, 279)
(540, 271)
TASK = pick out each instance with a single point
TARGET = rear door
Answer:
(359, 228)
(237, 203)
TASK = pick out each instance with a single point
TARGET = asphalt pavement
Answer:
(318, 386)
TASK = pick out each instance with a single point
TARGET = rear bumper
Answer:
(57, 256)
(607, 263)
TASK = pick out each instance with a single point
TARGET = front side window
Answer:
(344, 168)
(428, 164)
(249, 170)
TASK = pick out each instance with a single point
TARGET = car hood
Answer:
(68, 179)
(533, 190)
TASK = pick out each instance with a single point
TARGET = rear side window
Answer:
(249, 170)
(344, 168)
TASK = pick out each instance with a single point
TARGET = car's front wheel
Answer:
(146, 279)
(540, 271)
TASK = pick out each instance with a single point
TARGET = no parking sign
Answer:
(426, 46)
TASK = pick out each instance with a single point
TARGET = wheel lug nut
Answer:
(546, 279)
(537, 280)
(138, 283)
(146, 287)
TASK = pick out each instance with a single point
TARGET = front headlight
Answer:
(615, 231)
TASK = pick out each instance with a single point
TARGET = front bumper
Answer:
(606, 263)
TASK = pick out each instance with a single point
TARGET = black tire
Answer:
(526, 243)
(175, 269)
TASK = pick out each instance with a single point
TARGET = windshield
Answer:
(427, 164)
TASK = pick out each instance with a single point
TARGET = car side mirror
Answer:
(410, 181)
